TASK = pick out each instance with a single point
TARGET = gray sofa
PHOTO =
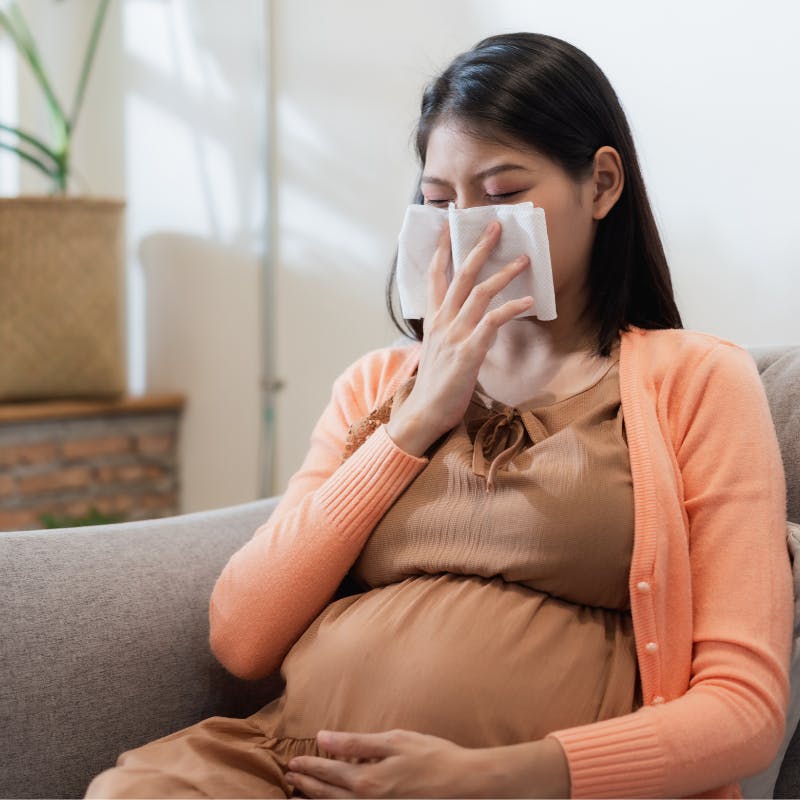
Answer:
(103, 634)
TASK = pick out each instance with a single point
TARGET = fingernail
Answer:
(493, 227)
(523, 259)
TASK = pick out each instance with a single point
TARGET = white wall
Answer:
(710, 92)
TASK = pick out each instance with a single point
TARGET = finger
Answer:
(328, 770)
(312, 787)
(487, 328)
(357, 745)
(437, 272)
(464, 279)
(482, 295)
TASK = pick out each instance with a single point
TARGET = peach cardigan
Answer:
(710, 581)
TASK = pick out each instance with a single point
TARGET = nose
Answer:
(470, 200)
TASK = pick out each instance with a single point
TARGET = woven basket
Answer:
(62, 312)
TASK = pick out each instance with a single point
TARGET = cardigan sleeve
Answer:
(730, 721)
(273, 587)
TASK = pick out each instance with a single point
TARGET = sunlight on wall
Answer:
(146, 35)
(195, 172)
(313, 221)
(194, 123)
(191, 149)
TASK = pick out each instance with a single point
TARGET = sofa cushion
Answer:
(105, 643)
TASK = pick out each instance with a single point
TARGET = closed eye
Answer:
(492, 198)
(506, 196)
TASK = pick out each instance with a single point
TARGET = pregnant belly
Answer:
(480, 662)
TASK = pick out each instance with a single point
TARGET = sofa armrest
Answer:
(105, 643)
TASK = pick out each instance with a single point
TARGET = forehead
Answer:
(450, 147)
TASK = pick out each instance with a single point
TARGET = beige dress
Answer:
(494, 609)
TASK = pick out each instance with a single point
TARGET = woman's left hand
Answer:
(396, 763)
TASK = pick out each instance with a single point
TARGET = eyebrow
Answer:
(484, 174)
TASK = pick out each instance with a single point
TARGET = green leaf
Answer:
(13, 22)
(32, 140)
(20, 33)
(49, 171)
(88, 60)
(5, 24)
(8, 25)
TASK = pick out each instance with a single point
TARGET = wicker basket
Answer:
(62, 312)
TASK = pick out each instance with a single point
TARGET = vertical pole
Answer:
(269, 383)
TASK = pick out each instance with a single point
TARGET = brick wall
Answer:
(125, 464)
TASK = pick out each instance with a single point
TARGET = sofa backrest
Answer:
(780, 372)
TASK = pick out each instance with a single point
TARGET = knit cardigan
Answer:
(710, 581)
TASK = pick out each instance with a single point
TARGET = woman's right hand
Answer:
(457, 336)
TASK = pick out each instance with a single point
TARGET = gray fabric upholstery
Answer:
(103, 630)
(780, 372)
(105, 643)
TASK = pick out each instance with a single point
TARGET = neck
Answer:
(521, 340)
(543, 361)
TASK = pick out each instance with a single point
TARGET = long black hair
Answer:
(541, 92)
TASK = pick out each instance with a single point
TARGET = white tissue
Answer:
(523, 231)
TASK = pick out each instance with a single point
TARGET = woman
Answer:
(567, 537)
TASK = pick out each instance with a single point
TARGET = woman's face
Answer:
(468, 171)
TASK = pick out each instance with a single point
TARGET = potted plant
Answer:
(61, 255)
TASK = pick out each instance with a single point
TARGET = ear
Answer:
(608, 178)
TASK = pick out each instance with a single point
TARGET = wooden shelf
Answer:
(25, 411)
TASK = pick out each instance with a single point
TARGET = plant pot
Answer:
(62, 298)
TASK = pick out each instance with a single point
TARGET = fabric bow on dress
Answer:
(499, 439)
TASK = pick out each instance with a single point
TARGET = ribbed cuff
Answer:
(362, 490)
(619, 757)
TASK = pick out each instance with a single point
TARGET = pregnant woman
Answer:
(565, 540)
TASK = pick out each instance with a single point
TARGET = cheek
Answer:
(570, 242)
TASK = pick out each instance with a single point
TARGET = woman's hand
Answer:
(396, 763)
(401, 763)
(457, 335)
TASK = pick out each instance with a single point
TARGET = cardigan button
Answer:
(643, 586)
(651, 647)
(658, 700)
